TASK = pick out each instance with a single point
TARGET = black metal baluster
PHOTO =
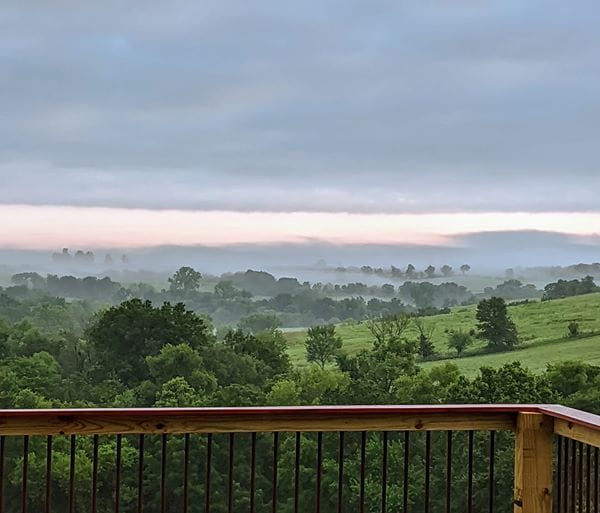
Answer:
(140, 478)
(94, 474)
(341, 473)
(588, 479)
(448, 471)
(186, 472)
(573, 476)
(208, 470)
(559, 469)
(384, 465)
(2, 443)
(567, 476)
(363, 460)
(297, 472)
(405, 471)
(230, 475)
(72, 475)
(580, 480)
(118, 474)
(163, 474)
(275, 467)
(252, 472)
(470, 474)
(427, 470)
(491, 483)
(596, 481)
(25, 474)
(48, 494)
(319, 470)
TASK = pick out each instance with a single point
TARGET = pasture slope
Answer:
(542, 328)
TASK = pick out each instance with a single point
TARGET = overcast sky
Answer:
(394, 107)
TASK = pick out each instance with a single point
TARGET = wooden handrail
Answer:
(567, 421)
(534, 426)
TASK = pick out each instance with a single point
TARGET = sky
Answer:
(147, 123)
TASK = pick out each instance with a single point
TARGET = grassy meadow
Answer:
(542, 330)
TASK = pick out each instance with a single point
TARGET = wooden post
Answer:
(533, 463)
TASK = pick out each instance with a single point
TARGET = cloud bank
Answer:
(380, 107)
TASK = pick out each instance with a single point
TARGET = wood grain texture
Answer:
(533, 463)
(192, 422)
(577, 432)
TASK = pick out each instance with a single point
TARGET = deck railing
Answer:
(409, 459)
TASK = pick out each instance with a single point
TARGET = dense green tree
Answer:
(465, 268)
(186, 279)
(425, 331)
(267, 348)
(123, 336)
(322, 345)
(494, 324)
(459, 341)
(258, 322)
(511, 383)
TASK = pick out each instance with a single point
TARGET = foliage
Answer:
(494, 325)
(125, 335)
(322, 345)
(459, 341)
(564, 288)
(573, 329)
(186, 279)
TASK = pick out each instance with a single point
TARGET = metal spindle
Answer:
(25, 474)
(580, 480)
(384, 465)
(48, 494)
(341, 473)
(470, 474)
(2, 443)
(72, 475)
(319, 470)
(491, 483)
(163, 474)
(588, 479)
(140, 479)
(208, 469)
(596, 481)
(275, 461)
(427, 470)
(559, 471)
(448, 471)
(230, 474)
(186, 472)
(297, 472)
(363, 458)
(405, 471)
(252, 472)
(118, 474)
(566, 478)
(573, 476)
(94, 473)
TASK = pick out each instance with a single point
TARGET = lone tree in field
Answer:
(459, 341)
(494, 324)
(465, 268)
(426, 347)
(322, 345)
(185, 279)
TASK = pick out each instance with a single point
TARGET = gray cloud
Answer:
(351, 106)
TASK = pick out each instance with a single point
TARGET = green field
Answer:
(542, 330)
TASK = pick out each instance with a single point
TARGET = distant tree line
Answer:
(567, 288)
